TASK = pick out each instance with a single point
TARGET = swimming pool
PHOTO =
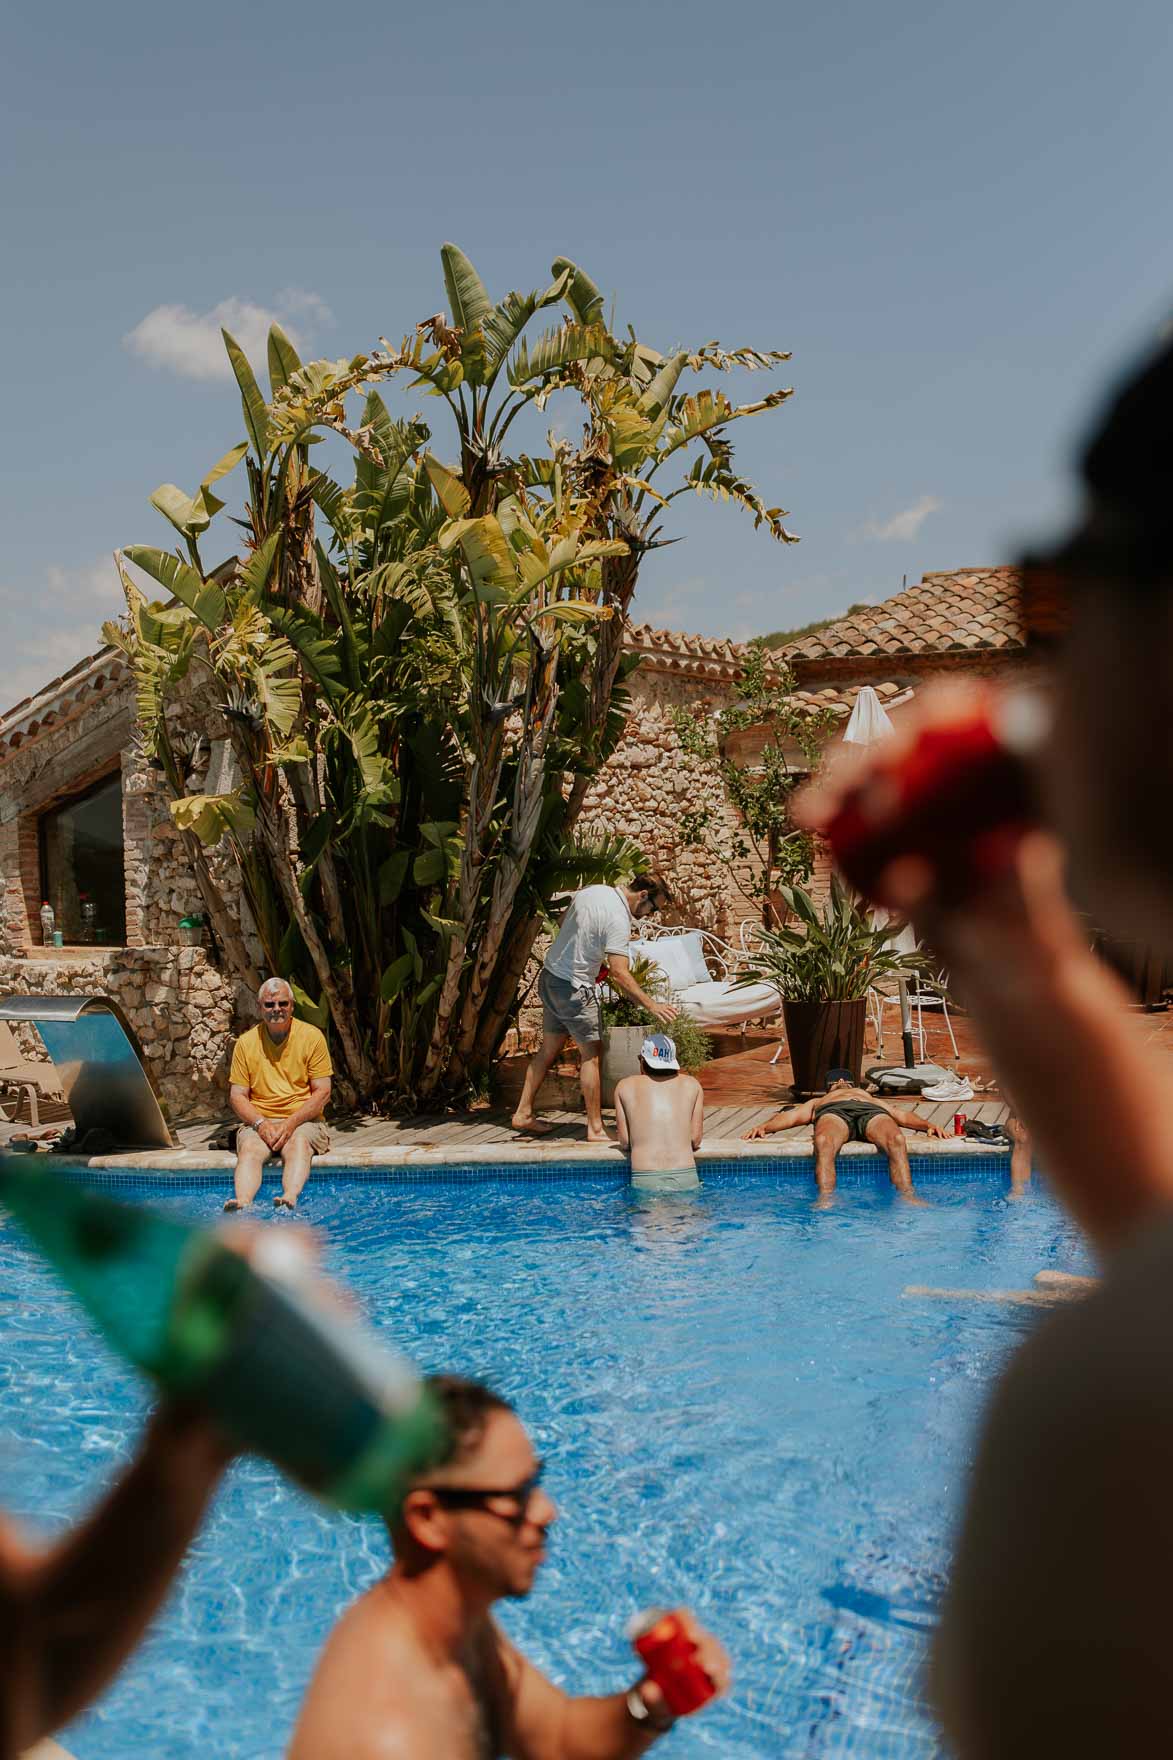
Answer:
(740, 1409)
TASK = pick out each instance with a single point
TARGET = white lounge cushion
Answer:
(677, 956)
(720, 1005)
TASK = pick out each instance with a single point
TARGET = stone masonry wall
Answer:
(185, 1011)
(646, 786)
(182, 1008)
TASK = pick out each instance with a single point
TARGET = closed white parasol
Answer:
(868, 724)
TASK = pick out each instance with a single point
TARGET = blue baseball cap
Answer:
(840, 1075)
(658, 1051)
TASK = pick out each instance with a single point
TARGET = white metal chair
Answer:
(685, 957)
(930, 993)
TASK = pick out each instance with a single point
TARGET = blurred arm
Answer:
(71, 1614)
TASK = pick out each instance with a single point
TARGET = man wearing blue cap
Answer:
(660, 1114)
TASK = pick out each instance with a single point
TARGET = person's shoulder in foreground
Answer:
(1054, 1635)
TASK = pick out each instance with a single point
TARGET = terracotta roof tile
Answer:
(961, 610)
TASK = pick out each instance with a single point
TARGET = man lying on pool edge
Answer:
(418, 1666)
(847, 1113)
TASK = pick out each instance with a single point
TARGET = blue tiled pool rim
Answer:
(856, 1169)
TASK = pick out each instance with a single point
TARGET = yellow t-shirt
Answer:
(278, 1076)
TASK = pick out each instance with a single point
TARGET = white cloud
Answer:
(903, 525)
(64, 624)
(94, 583)
(33, 661)
(189, 343)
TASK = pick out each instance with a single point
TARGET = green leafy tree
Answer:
(830, 955)
(419, 672)
(762, 851)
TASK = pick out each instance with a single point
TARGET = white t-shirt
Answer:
(597, 923)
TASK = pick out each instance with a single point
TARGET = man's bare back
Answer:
(660, 1120)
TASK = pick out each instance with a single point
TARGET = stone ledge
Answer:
(797, 1147)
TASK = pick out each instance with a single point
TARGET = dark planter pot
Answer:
(822, 1036)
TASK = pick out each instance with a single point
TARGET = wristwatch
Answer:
(641, 1712)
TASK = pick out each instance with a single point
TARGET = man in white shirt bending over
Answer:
(595, 932)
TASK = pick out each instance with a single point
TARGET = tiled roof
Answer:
(668, 650)
(962, 611)
(841, 703)
(63, 698)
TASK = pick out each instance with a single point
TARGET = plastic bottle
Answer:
(48, 920)
(669, 1656)
(318, 1393)
(89, 917)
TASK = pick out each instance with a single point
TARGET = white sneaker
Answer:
(952, 1088)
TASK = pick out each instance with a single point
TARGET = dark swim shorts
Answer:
(856, 1115)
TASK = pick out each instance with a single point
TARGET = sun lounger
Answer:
(685, 957)
(35, 1087)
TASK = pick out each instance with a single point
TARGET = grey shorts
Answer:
(312, 1132)
(570, 1008)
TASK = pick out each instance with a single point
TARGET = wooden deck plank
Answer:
(730, 1121)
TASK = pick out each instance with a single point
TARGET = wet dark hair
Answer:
(653, 884)
(466, 1407)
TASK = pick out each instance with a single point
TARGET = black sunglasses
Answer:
(473, 1497)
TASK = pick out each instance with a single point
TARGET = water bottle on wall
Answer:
(48, 922)
(315, 1391)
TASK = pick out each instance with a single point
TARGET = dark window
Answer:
(81, 865)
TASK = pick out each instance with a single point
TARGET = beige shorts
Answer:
(312, 1132)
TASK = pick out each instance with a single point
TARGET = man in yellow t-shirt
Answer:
(279, 1084)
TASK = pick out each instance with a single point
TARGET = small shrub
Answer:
(694, 1048)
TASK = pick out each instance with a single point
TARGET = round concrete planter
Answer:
(620, 1057)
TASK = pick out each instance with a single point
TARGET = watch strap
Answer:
(641, 1712)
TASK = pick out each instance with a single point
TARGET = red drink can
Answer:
(959, 1122)
(669, 1656)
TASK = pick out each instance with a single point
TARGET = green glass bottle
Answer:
(318, 1393)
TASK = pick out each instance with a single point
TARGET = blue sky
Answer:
(955, 216)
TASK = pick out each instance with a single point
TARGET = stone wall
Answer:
(182, 1008)
(646, 786)
(63, 760)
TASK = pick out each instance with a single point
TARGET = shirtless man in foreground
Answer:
(850, 1114)
(661, 1118)
(418, 1669)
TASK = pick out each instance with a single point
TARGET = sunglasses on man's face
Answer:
(277, 1007)
(477, 1497)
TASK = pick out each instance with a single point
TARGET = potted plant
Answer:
(626, 1025)
(824, 964)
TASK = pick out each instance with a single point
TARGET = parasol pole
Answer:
(906, 1023)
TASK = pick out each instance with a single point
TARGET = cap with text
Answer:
(658, 1051)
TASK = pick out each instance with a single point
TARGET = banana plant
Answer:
(418, 666)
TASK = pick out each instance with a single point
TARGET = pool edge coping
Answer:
(162, 1161)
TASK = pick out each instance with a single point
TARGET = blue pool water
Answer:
(740, 1408)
